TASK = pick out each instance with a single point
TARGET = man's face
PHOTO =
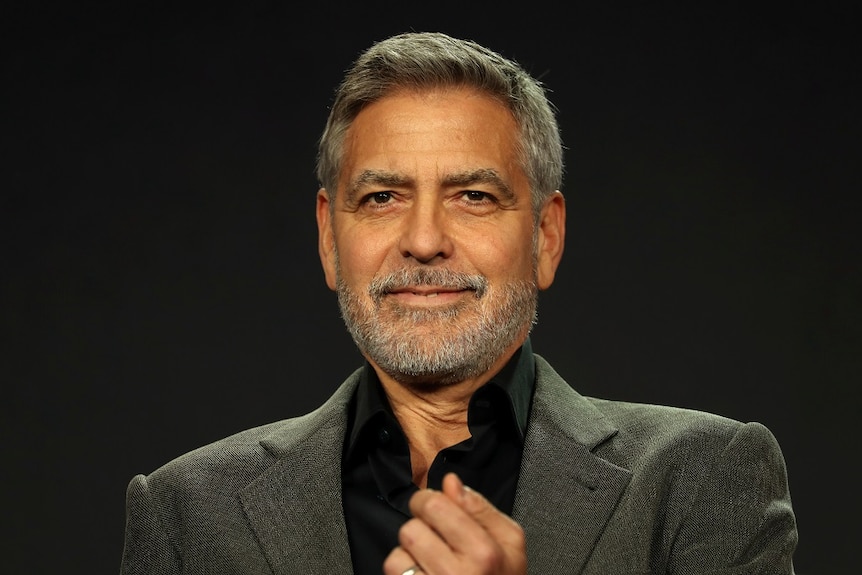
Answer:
(430, 243)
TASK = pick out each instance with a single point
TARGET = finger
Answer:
(452, 524)
(500, 526)
(475, 504)
(427, 547)
(398, 561)
(477, 537)
(454, 488)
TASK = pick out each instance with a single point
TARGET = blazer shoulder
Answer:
(241, 457)
(650, 434)
(633, 416)
(643, 431)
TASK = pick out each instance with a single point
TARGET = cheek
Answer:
(505, 254)
(361, 255)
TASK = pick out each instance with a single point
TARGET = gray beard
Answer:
(442, 344)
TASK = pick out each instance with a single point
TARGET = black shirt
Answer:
(377, 480)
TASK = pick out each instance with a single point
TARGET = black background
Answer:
(160, 282)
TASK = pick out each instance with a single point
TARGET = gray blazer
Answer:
(605, 487)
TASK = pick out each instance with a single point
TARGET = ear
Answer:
(551, 239)
(325, 237)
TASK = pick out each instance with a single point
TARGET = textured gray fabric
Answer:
(619, 488)
(605, 488)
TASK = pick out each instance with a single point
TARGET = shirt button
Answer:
(383, 436)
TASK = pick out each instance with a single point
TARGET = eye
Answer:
(477, 197)
(378, 197)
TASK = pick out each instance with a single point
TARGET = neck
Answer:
(432, 416)
(429, 426)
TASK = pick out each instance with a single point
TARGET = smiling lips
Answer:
(422, 286)
(425, 293)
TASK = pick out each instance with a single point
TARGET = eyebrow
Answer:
(463, 179)
(377, 178)
(481, 176)
(380, 178)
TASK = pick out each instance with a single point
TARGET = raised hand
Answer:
(457, 532)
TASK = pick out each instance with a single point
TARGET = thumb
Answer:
(504, 530)
(471, 501)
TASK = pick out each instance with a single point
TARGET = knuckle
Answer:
(409, 532)
(395, 561)
(488, 558)
(518, 534)
(390, 566)
(437, 503)
(434, 503)
(517, 541)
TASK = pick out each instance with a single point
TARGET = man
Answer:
(455, 449)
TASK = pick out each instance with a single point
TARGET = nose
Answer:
(425, 233)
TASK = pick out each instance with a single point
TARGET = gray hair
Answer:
(429, 60)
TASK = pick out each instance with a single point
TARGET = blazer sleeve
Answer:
(741, 521)
(147, 549)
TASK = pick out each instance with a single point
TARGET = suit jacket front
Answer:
(605, 488)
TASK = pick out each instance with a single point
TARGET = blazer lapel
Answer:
(294, 507)
(566, 494)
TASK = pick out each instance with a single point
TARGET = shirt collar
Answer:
(516, 380)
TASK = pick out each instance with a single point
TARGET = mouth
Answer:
(427, 294)
(427, 287)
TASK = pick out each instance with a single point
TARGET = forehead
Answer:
(450, 128)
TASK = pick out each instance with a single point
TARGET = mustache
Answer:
(418, 277)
